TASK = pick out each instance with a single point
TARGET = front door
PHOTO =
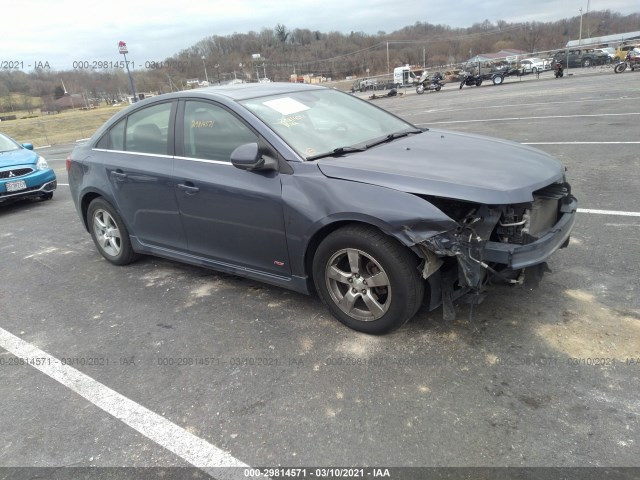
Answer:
(230, 216)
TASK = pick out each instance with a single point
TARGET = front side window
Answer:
(212, 133)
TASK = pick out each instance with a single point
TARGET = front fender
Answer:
(310, 203)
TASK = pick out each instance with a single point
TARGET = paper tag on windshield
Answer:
(286, 106)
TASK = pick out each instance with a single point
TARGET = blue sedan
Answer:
(318, 191)
(23, 173)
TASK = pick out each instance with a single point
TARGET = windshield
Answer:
(324, 122)
(8, 145)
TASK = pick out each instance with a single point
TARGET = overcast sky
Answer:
(63, 31)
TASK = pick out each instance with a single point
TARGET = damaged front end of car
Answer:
(494, 243)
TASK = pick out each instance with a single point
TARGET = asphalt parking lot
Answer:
(184, 366)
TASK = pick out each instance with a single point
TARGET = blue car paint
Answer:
(39, 182)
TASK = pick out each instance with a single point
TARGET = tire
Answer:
(621, 67)
(534, 70)
(438, 88)
(462, 84)
(478, 82)
(109, 233)
(586, 63)
(420, 90)
(498, 79)
(343, 268)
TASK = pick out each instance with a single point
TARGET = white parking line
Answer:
(609, 212)
(577, 143)
(522, 105)
(511, 119)
(187, 446)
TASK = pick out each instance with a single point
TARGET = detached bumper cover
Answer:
(522, 256)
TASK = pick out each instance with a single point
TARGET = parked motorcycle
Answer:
(470, 79)
(632, 60)
(430, 84)
(558, 70)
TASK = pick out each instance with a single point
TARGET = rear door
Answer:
(229, 215)
(137, 154)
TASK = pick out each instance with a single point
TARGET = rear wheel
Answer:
(498, 79)
(368, 280)
(586, 62)
(621, 67)
(109, 233)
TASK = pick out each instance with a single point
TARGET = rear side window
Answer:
(144, 131)
(114, 138)
(147, 130)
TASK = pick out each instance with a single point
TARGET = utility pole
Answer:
(122, 48)
(206, 77)
(580, 38)
(388, 69)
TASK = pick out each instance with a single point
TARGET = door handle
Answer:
(119, 176)
(188, 188)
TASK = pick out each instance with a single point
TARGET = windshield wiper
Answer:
(336, 152)
(393, 136)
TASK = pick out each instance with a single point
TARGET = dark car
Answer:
(312, 189)
(581, 57)
(23, 173)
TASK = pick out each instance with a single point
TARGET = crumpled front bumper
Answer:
(516, 257)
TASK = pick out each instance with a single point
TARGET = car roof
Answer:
(226, 94)
(243, 91)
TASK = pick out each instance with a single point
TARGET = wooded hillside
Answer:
(284, 51)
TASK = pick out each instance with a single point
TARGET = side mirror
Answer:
(28, 146)
(248, 157)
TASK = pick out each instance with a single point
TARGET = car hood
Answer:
(451, 165)
(18, 157)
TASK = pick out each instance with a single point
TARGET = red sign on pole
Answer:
(122, 47)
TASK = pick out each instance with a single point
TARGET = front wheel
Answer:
(498, 79)
(621, 67)
(109, 233)
(419, 89)
(368, 280)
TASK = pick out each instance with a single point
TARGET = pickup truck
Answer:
(580, 57)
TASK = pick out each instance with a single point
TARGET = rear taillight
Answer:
(68, 163)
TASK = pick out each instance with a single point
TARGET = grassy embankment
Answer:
(64, 127)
